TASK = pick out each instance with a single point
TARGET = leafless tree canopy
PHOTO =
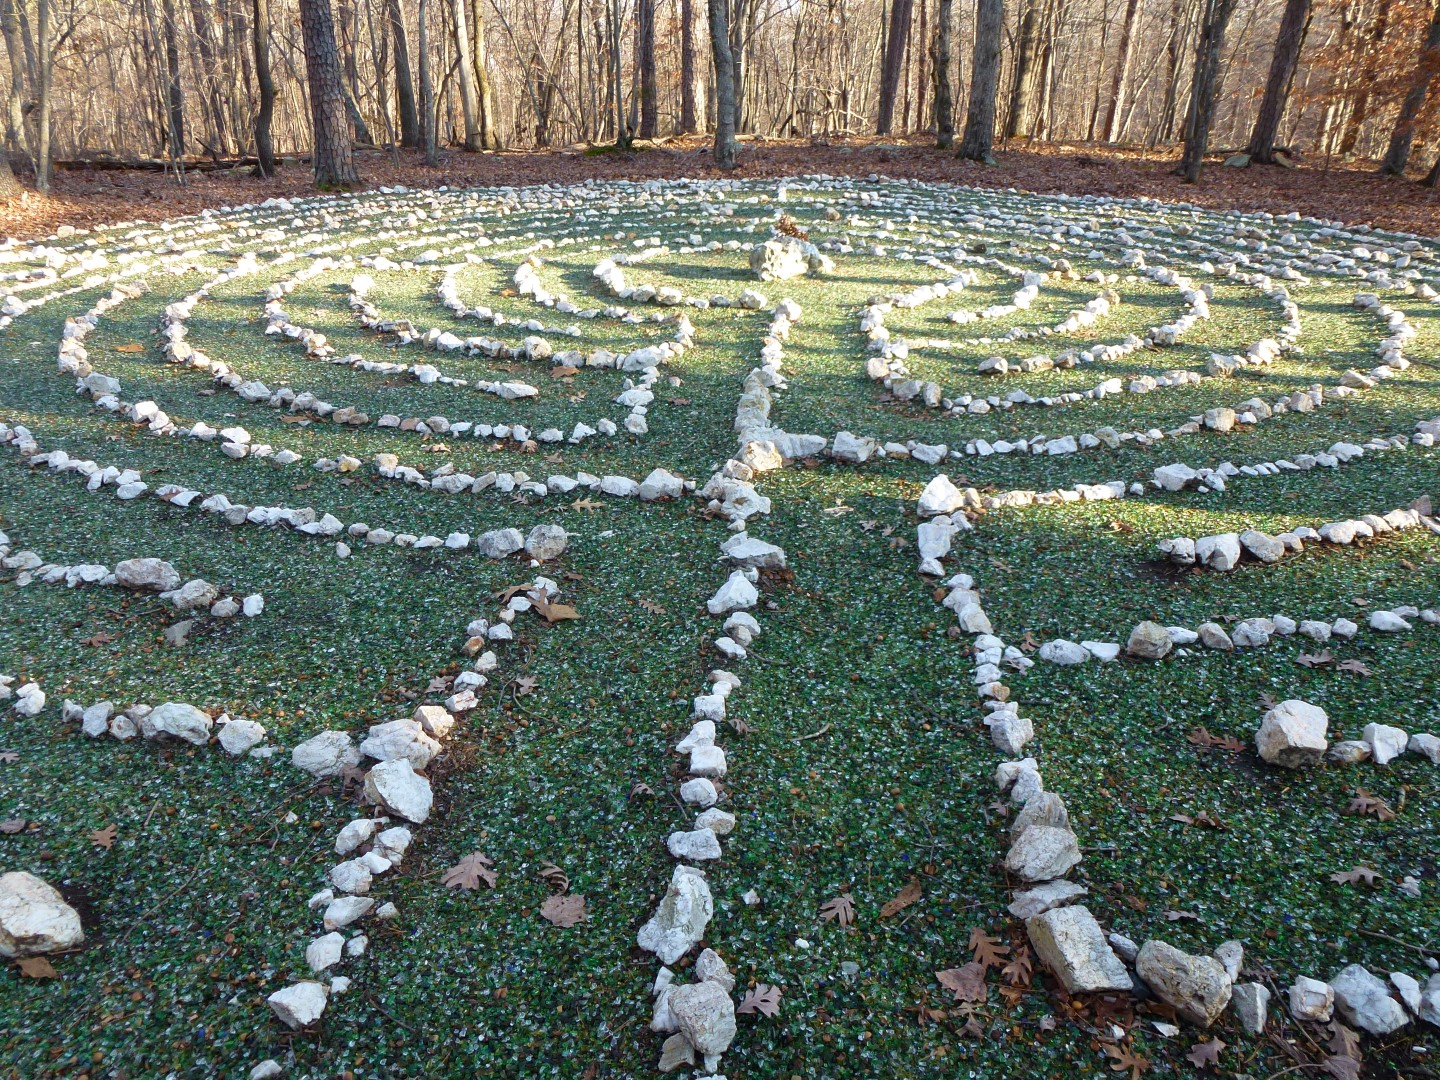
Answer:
(188, 81)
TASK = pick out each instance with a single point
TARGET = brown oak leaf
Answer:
(103, 837)
(840, 909)
(762, 998)
(903, 899)
(36, 967)
(1205, 1054)
(563, 910)
(1355, 876)
(987, 950)
(1125, 1059)
(1364, 803)
(966, 983)
(553, 876)
(1314, 660)
(470, 871)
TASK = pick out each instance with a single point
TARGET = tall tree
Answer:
(1402, 138)
(429, 121)
(940, 73)
(725, 104)
(404, 78)
(978, 142)
(692, 86)
(1215, 19)
(1294, 25)
(44, 62)
(260, 33)
(1120, 81)
(485, 90)
(1020, 117)
(174, 93)
(645, 60)
(469, 95)
(333, 156)
(1360, 106)
(895, 41)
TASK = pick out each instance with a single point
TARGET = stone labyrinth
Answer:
(648, 582)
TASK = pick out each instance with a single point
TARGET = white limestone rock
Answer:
(326, 754)
(1069, 942)
(680, 919)
(396, 786)
(1293, 734)
(34, 917)
(300, 1004)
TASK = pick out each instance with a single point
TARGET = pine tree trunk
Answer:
(1294, 25)
(1403, 135)
(404, 78)
(260, 33)
(645, 58)
(1122, 73)
(978, 143)
(940, 56)
(895, 41)
(1019, 118)
(1203, 88)
(333, 155)
(692, 89)
(724, 84)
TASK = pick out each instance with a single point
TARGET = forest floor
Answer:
(1352, 192)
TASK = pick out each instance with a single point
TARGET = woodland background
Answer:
(197, 85)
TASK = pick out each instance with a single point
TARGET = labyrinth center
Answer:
(697, 553)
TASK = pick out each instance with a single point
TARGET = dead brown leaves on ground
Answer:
(470, 871)
(762, 998)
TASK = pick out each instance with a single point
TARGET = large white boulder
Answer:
(1292, 734)
(681, 918)
(34, 917)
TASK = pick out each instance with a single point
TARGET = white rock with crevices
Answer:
(396, 786)
(326, 754)
(1069, 942)
(1293, 734)
(680, 919)
(300, 1004)
(34, 917)
(1364, 1001)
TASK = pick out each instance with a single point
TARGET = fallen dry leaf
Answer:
(1355, 876)
(1205, 1054)
(102, 638)
(104, 837)
(841, 909)
(966, 983)
(470, 871)
(9, 757)
(903, 899)
(1364, 803)
(1353, 667)
(130, 347)
(762, 998)
(987, 950)
(12, 825)
(1125, 1059)
(553, 876)
(525, 684)
(36, 967)
(563, 910)
(587, 504)
(1314, 660)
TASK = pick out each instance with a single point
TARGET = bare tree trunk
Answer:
(404, 78)
(645, 60)
(333, 155)
(692, 88)
(1360, 109)
(940, 73)
(428, 119)
(1169, 107)
(1403, 135)
(978, 143)
(469, 96)
(17, 135)
(45, 68)
(260, 32)
(1020, 119)
(212, 72)
(1119, 83)
(724, 84)
(1294, 25)
(9, 186)
(489, 122)
(174, 93)
(896, 39)
(1203, 86)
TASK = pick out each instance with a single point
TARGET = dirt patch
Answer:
(1353, 192)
